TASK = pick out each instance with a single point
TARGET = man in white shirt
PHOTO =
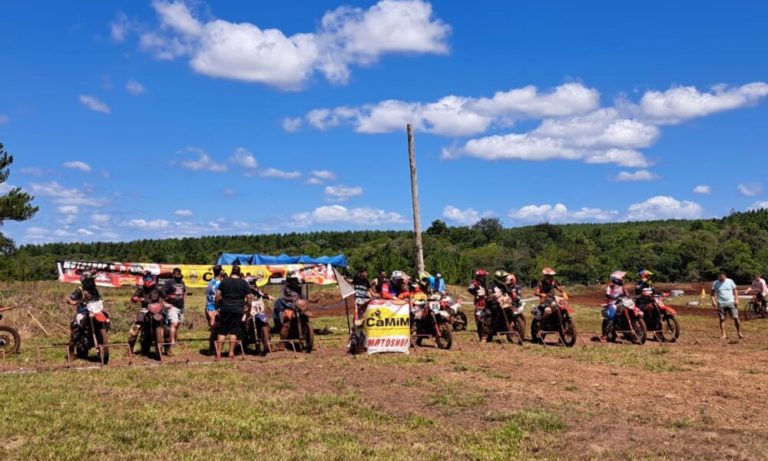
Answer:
(726, 298)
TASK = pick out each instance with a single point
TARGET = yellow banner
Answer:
(387, 326)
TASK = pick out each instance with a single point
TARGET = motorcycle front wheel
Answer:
(568, 334)
(640, 331)
(445, 340)
(670, 329)
(9, 340)
(460, 324)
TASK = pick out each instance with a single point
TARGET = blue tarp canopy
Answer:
(262, 260)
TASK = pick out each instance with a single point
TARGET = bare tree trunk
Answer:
(415, 199)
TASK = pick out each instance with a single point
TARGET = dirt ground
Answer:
(699, 398)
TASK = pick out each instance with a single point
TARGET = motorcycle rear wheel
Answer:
(9, 339)
(753, 311)
(103, 338)
(445, 340)
(308, 337)
(640, 331)
(670, 329)
(265, 340)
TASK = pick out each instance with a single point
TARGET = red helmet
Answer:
(149, 279)
(480, 273)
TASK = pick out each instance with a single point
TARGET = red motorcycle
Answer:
(628, 323)
(559, 321)
(661, 320)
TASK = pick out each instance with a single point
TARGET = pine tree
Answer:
(15, 204)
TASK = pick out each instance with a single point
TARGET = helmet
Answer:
(645, 273)
(149, 279)
(397, 275)
(617, 277)
(86, 276)
(424, 276)
(511, 279)
(480, 273)
(500, 276)
(548, 271)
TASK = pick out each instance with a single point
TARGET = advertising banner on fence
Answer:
(195, 275)
(387, 326)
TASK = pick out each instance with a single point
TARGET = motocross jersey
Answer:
(639, 286)
(210, 294)
(547, 286)
(79, 296)
(143, 294)
(614, 292)
(174, 293)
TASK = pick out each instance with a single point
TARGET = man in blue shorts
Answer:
(725, 298)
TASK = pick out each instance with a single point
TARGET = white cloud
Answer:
(750, 189)
(244, 158)
(5, 187)
(94, 104)
(621, 157)
(183, 213)
(68, 209)
(120, 27)
(4, 119)
(761, 205)
(527, 102)
(663, 207)
(143, 224)
(291, 125)
(135, 88)
(466, 217)
(639, 175)
(339, 214)
(323, 175)
(100, 218)
(560, 213)
(203, 162)
(32, 171)
(77, 165)
(36, 231)
(702, 189)
(61, 195)
(247, 52)
(682, 103)
(341, 193)
(84, 232)
(229, 192)
(276, 173)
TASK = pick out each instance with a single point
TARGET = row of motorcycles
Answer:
(633, 323)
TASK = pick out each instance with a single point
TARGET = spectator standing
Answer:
(175, 294)
(725, 298)
(232, 296)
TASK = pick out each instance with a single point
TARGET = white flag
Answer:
(345, 287)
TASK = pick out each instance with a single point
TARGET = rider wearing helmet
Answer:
(290, 294)
(644, 282)
(144, 292)
(396, 286)
(439, 283)
(548, 285)
(85, 293)
(478, 288)
(614, 291)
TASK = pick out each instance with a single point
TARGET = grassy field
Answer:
(699, 398)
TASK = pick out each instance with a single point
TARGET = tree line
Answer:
(674, 250)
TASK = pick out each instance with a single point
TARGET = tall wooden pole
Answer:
(415, 200)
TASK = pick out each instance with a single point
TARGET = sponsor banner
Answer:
(195, 275)
(387, 326)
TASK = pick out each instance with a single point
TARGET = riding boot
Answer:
(285, 329)
(132, 343)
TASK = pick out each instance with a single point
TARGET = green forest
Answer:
(674, 250)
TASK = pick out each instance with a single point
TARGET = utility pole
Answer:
(415, 200)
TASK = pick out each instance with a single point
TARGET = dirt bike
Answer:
(458, 318)
(754, 309)
(542, 324)
(92, 330)
(508, 321)
(301, 337)
(628, 323)
(430, 320)
(9, 336)
(256, 329)
(153, 330)
(661, 320)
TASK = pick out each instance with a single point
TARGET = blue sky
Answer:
(152, 119)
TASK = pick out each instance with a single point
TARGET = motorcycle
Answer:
(628, 323)
(508, 320)
(154, 330)
(430, 320)
(559, 321)
(754, 309)
(458, 318)
(301, 336)
(9, 336)
(92, 330)
(661, 320)
(256, 329)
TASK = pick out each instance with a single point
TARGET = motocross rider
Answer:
(396, 287)
(644, 282)
(85, 293)
(479, 289)
(175, 293)
(291, 292)
(760, 288)
(545, 290)
(144, 292)
(614, 291)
